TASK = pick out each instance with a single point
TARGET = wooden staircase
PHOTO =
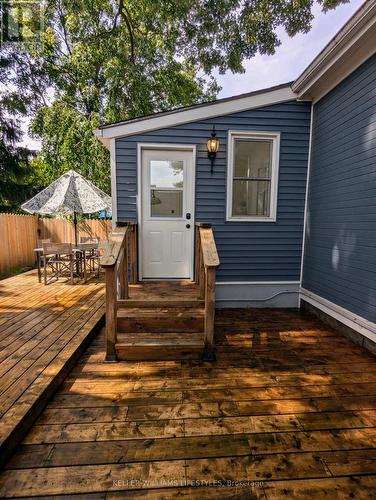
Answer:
(158, 320)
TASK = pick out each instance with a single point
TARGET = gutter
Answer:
(361, 22)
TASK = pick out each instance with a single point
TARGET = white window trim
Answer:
(275, 137)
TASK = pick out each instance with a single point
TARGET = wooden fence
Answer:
(19, 235)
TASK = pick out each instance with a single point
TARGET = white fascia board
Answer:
(112, 148)
(196, 113)
(361, 25)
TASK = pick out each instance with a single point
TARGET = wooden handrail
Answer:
(206, 263)
(115, 244)
(209, 249)
(119, 255)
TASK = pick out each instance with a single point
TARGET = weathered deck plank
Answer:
(43, 331)
(294, 421)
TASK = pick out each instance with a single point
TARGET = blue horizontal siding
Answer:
(249, 251)
(340, 249)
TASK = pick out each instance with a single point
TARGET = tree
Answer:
(109, 60)
(15, 169)
(68, 142)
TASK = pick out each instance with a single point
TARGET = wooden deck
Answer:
(43, 331)
(289, 407)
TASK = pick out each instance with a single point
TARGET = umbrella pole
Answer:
(76, 239)
(75, 229)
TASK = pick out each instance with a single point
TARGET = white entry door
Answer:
(167, 206)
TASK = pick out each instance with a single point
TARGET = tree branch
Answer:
(128, 21)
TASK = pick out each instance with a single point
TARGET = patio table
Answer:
(83, 250)
(39, 253)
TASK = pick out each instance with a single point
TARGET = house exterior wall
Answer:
(340, 245)
(249, 251)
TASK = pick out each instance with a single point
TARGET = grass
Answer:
(14, 271)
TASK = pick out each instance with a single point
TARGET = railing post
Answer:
(202, 277)
(197, 255)
(123, 272)
(114, 262)
(209, 313)
(124, 269)
(133, 254)
(111, 306)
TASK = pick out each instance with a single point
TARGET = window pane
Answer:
(166, 203)
(252, 158)
(166, 174)
(251, 198)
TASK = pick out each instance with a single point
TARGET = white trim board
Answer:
(113, 182)
(219, 283)
(306, 196)
(353, 321)
(195, 113)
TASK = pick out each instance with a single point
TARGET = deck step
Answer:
(160, 304)
(159, 346)
(160, 320)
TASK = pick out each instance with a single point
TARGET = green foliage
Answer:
(109, 60)
(14, 271)
(14, 161)
(68, 142)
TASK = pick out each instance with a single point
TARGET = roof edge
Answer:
(195, 106)
(357, 26)
(203, 111)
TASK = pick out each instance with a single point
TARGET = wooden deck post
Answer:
(201, 276)
(114, 261)
(209, 313)
(207, 263)
(123, 272)
(197, 255)
(111, 307)
(133, 254)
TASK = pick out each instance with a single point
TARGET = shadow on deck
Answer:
(288, 410)
(43, 331)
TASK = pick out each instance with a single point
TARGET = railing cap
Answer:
(208, 247)
(115, 244)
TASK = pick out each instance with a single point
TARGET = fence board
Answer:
(19, 235)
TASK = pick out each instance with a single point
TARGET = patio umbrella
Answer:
(70, 194)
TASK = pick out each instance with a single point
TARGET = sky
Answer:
(292, 56)
(288, 62)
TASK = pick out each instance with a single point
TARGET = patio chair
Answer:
(88, 239)
(59, 259)
(40, 244)
(93, 259)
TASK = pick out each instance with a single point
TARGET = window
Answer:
(166, 188)
(252, 176)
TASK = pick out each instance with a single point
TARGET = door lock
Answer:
(188, 216)
(187, 226)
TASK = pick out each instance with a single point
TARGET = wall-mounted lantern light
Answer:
(213, 146)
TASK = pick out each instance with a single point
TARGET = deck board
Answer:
(43, 330)
(289, 407)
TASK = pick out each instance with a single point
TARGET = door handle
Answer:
(187, 226)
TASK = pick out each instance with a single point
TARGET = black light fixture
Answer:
(213, 146)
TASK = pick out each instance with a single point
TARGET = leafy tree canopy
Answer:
(15, 172)
(108, 60)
